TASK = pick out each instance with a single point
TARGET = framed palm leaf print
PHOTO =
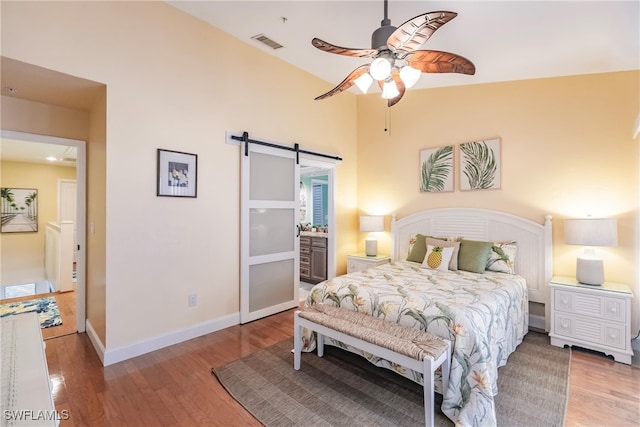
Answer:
(480, 165)
(436, 170)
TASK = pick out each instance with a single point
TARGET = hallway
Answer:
(66, 302)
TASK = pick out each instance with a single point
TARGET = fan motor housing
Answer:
(381, 35)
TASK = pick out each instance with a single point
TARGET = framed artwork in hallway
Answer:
(177, 174)
(19, 210)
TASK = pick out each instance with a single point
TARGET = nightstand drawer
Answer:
(590, 331)
(590, 305)
(354, 266)
(361, 262)
(305, 260)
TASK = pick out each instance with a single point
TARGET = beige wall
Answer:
(22, 254)
(181, 90)
(567, 150)
(52, 120)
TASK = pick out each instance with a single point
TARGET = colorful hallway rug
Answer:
(46, 308)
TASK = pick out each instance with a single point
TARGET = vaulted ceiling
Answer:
(506, 40)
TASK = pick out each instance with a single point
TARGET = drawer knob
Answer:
(613, 309)
(565, 324)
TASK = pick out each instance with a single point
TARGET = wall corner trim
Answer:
(95, 340)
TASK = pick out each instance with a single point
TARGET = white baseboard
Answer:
(93, 337)
(115, 355)
(536, 321)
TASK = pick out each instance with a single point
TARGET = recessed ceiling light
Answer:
(10, 90)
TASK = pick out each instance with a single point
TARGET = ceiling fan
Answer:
(398, 64)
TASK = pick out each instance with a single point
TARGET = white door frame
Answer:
(329, 167)
(81, 178)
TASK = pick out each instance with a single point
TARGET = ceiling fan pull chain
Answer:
(387, 119)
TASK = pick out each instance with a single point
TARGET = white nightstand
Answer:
(360, 262)
(593, 317)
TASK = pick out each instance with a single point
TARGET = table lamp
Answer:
(590, 232)
(371, 224)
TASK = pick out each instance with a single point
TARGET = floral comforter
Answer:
(484, 315)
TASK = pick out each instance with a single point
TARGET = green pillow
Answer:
(473, 255)
(419, 249)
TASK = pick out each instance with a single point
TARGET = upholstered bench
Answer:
(411, 348)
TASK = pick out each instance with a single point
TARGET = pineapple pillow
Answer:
(438, 257)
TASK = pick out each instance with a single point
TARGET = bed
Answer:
(485, 314)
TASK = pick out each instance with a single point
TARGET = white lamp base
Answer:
(590, 271)
(371, 247)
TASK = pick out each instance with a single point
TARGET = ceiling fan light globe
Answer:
(410, 76)
(380, 69)
(389, 90)
(364, 82)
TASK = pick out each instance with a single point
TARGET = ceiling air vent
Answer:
(266, 40)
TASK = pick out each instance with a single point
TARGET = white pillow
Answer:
(437, 257)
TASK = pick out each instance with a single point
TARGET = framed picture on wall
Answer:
(177, 174)
(480, 165)
(19, 210)
(436, 170)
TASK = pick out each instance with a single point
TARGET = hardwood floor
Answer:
(66, 302)
(174, 387)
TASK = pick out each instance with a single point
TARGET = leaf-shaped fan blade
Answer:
(435, 61)
(328, 47)
(401, 88)
(347, 82)
(411, 35)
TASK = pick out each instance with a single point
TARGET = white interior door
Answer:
(270, 270)
(67, 208)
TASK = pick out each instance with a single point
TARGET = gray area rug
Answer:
(343, 389)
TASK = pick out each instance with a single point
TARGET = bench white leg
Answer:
(297, 341)
(320, 344)
(444, 369)
(428, 378)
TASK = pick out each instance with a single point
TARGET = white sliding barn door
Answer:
(269, 244)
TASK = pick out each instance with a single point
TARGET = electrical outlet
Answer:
(193, 300)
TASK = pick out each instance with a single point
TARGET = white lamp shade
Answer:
(591, 231)
(389, 90)
(364, 82)
(372, 223)
(380, 68)
(410, 76)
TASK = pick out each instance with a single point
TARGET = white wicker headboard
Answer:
(533, 258)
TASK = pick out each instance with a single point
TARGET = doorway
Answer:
(29, 148)
(317, 212)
